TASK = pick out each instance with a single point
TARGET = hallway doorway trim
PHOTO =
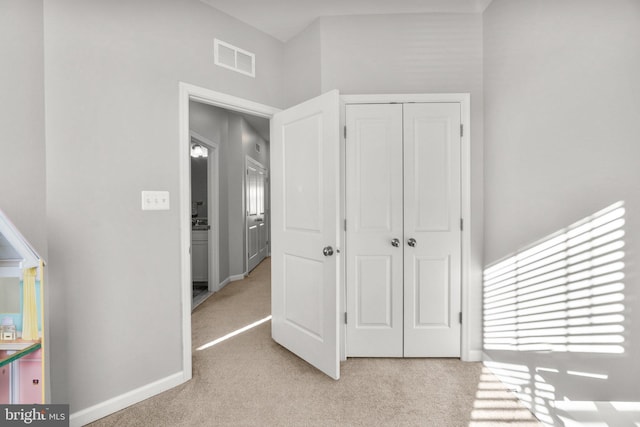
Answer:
(189, 92)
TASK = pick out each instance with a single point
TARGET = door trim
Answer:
(466, 352)
(189, 92)
(213, 208)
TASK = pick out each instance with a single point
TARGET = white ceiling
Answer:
(283, 19)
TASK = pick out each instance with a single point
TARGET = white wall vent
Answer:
(234, 58)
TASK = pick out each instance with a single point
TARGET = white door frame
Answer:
(189, 92)
(466, 352)
(213, 208)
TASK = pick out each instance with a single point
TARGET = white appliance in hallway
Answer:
(257, 228)
(403, 238)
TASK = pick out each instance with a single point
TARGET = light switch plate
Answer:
(155, 200)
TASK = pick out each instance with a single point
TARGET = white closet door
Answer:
(374, 220)
(432, 266)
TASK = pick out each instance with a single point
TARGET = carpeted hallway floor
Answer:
(249, 380)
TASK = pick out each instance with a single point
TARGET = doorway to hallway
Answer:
(230, 235)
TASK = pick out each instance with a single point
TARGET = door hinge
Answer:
(345, 225)
(460, 317)
(461, 130)
(461, 224)
(345, 132)
(345, 317)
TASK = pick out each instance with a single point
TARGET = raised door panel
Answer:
(432, 215)
(302, 162)
(432, 174)
(262, 240)
(432, 292)
(304, 295)
(253, 241)
(374, 219)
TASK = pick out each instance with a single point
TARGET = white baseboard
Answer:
(224, 283)
(230, 279)
(475, 356)
(95, 412)
(237, 277)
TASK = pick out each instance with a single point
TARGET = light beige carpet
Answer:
(249, 380)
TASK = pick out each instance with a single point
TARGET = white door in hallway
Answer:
(403, 230)
(305, 217)
(255, 190)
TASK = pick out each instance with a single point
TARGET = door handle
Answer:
(327, 251)
(412, 242)
(395, 243)
(258, 219)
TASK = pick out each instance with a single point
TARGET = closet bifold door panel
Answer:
(432, 264)
(403, 238)
(374, 220)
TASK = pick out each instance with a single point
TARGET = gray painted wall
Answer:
(22, 163)
(236, 191)
(303, 65)
(562, 119)
(112, 72)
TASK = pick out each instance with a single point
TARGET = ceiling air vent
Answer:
(234, 58)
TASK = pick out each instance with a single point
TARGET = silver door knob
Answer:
(395, 243)
(328, 251)
(412, 242)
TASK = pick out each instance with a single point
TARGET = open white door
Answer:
(305, 217)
